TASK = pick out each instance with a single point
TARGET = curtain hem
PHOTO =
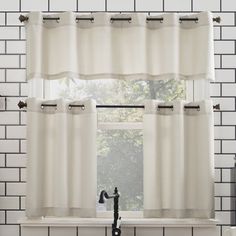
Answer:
(174, 213)
(54, 211)
(136, 76)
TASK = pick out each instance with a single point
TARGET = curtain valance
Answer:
(129, 49)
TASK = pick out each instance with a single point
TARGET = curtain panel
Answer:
(178, 160)
(61, 169)
(131, 49)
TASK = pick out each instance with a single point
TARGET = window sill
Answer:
(126, 222)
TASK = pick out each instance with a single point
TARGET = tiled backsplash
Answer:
(127, 231)
(13, 87)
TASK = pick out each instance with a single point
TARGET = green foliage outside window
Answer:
(120, 155)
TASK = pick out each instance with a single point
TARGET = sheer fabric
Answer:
(61, 148)
(135, 49)
(178, 160)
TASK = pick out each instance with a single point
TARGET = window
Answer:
(119, 137)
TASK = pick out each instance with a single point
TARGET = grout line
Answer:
(20, 202)
(235, 18)
(221, 90)
(87, 11)
(221, 203)
(5, 132)
(19, 230)
(5, 165)
(20, 174)
(5, 75)
(5, 217)
(221, 175)
(5, 44)
(105, 5)
(20, 5)
(221, 66)
(5, 19)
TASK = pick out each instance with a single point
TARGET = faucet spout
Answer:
(116, 225)
(102, 197)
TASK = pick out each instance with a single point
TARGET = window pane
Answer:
(120, 164)
(110, 91)
(120, 152)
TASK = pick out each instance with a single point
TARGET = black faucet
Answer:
(116, 231)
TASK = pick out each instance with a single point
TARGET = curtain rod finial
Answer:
(23, 18)
(217, 19)
(216, 107)
(22, 104)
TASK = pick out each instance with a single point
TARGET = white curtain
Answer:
(135, 49)
(178, 160)
(61, 148)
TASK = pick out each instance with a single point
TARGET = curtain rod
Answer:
(217, 19)
(22, 104)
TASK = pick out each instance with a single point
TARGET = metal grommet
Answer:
(196, 21)
(83, 107)
(58, 20)
(130, 21)
(42, 106)
(76, 20)
(69, 107)
(92, 20)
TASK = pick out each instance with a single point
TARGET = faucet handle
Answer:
(118, 223)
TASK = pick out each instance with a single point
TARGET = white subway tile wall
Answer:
(13, 87)
(68, 5)
(209, 5)
(183, 5)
